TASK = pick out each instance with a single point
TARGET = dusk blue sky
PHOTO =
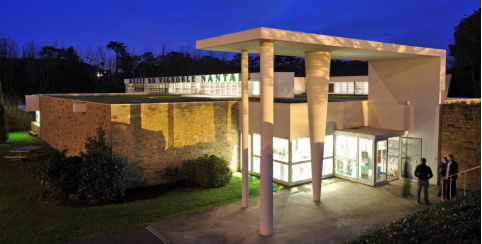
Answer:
(142, 24)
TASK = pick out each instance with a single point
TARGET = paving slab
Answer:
(347, 210)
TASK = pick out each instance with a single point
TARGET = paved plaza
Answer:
(347, 211)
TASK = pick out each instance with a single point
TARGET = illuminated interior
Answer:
(291, 160)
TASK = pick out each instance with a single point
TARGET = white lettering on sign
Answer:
(190, 78)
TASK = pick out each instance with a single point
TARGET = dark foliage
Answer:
(465, 58)
(3, 124)
(95, 175)
(206, 171)
(53, 68)
(452, 221)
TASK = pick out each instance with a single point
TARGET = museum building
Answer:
(371, 142)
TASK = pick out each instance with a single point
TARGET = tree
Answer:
(3, 129)
(465, 57)
(119, 49)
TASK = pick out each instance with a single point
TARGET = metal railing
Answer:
(449, 194)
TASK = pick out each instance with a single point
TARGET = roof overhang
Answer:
(291, 43)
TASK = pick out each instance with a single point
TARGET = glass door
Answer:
(410, 157)
(393, 158)
(381, 161)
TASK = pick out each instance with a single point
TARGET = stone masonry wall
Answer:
(151, 137)
(64, 129)
(461, 137)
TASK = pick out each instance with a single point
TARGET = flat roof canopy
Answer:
(376, 133)
(291, 43)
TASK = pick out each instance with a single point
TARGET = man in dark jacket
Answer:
(451, 182)
(443, 172)
(424, 173)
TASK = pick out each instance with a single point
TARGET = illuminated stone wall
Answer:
(64, 129)
(461, 137)
(151, 137)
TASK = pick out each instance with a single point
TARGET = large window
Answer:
(346, 168)
(342, 88)
(346, 147)
(301, 150)
(280, 171)
(301, 172)
(328, 166)
(361, 88)
(365, 159)
(256, 164)
(381, 161)
(256, 145)
(280, 149)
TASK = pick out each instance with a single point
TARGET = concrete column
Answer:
(317, 65)
(245, 129)
(266, 127)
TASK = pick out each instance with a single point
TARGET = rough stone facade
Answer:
(151, 137)
(461, 137)
(64, 129)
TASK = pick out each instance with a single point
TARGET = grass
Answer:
(27, 218)
(452, 221)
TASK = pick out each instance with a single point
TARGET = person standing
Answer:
(424, 173)
(442, 173)
(451, 183)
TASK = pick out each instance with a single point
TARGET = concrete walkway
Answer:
(347, 211)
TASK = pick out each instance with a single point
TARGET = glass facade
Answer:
(195, 88)
(350, 156)
(291, 160)
(381, 159)
(365, 160)
(360, 88)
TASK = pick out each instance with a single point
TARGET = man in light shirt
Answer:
(451, 183)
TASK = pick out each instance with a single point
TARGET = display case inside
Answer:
(365, 159)
(346, 168)
(280, 150)
(394, 153)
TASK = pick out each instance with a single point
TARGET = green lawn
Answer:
(26, 218)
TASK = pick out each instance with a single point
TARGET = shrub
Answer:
(58, 172)
(16, 118)
(206, 171)
(95, 175)
(101, 174)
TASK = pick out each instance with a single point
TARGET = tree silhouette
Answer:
(465, 57)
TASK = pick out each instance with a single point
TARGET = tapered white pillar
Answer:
(266, 127)
(245, 129)
(317, 65)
